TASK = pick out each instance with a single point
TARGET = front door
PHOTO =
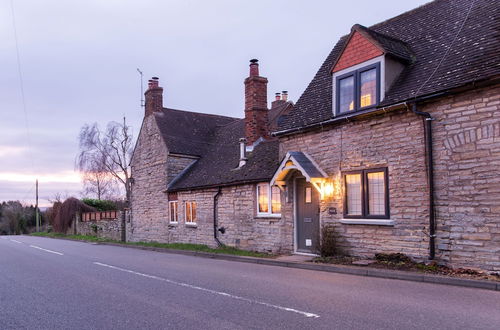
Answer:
(307, 222)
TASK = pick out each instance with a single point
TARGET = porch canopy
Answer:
(302, 162)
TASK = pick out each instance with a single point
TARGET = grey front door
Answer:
(307, 224)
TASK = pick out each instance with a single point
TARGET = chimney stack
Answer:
(154, 97)
(256, 112)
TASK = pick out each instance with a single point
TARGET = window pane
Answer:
(346, 94)
(308, 195)
(173, 211)
(353, 193)
(368, 87)
(376, 193)
(263, 196)
(275, 200)
(188, 211)
(193, 211)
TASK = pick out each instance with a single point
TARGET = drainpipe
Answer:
(216, 201)
(428, 143)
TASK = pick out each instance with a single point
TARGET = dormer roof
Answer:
(364, 44)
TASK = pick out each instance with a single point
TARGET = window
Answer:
(366, 194)
(173, 208)
(190, 213)
(358, 90)
(268, 200)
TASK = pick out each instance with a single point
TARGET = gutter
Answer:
(339, 120)
(216, 221)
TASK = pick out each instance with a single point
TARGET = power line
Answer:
(447, 50)
(21, 85)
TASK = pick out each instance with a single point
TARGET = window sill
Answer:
(173, 224)
(376, 222)
(191, 224)
(268, 216)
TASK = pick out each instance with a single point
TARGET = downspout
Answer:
(430, 163)
(216, 201)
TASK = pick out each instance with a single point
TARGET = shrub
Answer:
(328, 244)
(100, 205)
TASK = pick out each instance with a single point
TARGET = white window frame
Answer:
(170, 203)
(268, 214)
(335, 75)
(191, 203)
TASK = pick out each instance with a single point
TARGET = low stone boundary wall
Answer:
(105, 224)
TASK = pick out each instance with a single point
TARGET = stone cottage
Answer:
(196, 177)
(394, 144)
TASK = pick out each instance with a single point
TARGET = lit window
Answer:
(276, 200)
(173, 207)
(308, 195)
(346, 94)
(353, 196)
(268, 200)
(358, 89)
(190, 214)
(366, 194)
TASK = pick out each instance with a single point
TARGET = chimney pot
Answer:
(254, 67)
(284, 95)
(278, 96)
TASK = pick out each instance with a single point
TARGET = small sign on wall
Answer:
(308, 242)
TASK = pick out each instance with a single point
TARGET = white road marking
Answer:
(39, 248)
(220, 293)
(13, 240)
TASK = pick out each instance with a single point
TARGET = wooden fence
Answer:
(103, 215)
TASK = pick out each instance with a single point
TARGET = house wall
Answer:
(467, 155)
(237, 213)
(149, 204)
(467, 176)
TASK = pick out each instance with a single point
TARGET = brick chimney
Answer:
(154, 97)
(256, 112)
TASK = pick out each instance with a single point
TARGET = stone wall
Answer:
(149, 171)
(109, 228)
(467, 159)
(236, 213)
(467, 172)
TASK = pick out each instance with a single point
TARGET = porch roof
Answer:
(298, 161)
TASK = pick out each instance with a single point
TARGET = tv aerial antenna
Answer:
(142, 87)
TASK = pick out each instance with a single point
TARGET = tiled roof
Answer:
(428, 32)
(215, 140)
(189, 133)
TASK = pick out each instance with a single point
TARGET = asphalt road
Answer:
(59, 284)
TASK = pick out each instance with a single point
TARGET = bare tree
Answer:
(97, 181)
(106, 153)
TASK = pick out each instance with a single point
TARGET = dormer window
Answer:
(358, 89)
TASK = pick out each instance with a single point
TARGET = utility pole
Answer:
(37, 215)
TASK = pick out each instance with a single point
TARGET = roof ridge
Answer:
(202, 113)
(411, 11)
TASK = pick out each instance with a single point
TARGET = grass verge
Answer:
(173, 246)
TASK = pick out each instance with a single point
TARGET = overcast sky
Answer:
(79, 58)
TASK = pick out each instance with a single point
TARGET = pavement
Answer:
(47, 283)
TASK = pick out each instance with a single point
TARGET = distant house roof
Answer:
(215, 140)
(422, 36)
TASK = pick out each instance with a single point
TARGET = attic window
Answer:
(358, 89)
